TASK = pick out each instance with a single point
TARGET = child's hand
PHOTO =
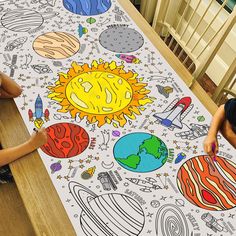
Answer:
(208, 145)
(38, 138)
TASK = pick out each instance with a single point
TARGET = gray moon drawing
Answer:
(22, 20)
(121, 39)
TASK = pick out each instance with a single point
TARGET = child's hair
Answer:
(230, 112)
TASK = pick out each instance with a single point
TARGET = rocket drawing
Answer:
(128, 58)
(38, 121)
(173, 115)
(146, 185)
(17, 43)
(212, 222)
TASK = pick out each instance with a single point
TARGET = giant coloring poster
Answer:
(125, 134)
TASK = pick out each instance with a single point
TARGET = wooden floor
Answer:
(14, 220)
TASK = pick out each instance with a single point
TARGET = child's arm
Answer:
(11, 154)
(216, 124)
(228, 133)
(8, 87)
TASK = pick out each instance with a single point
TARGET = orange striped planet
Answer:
(208, 184)
(56, 45)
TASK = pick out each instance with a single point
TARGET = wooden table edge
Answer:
(43, 205)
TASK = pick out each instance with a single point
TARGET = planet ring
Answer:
(83, 196)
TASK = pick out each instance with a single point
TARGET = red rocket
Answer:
(38, 113)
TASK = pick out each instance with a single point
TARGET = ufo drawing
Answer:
(111, 214)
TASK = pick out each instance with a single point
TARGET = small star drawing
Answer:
(163, 198)
(149, 214)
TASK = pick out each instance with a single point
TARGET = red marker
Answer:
(213, 150)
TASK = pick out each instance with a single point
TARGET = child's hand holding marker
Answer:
(214, 151)
(38, 138)
(211, 145)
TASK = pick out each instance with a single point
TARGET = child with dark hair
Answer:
(224, 120)
(10, 89)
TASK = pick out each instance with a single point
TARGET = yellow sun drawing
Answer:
(103, 92)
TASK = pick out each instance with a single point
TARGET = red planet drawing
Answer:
(208, 184)
(65, 140)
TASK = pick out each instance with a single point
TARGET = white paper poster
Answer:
(125, 133)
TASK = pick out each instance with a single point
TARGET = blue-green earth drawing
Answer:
(140, 152)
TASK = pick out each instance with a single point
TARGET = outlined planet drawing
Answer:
(22, 20)
(179, 202)
(56, 45)
(109, 214)
(155, 203)
(87, 7)
(208, 184)
(140, 152)
(170, 221)
(65, 140)
(121, 39)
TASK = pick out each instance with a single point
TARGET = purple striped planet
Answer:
(108, 214)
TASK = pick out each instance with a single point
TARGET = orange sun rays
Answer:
(77, 93)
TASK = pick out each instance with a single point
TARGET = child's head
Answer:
(230, 112)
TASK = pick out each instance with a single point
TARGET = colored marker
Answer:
(213, 150)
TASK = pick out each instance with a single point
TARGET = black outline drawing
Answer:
(107, 166)
(106, 139)
(115, 214)
(195, 131)
(22, 20)
(212, 222)
(155, 203)
(171, 221)
(11, 65)
(16, 43)
(147, 185)
(28, 60)
(107, 181)
(41, 68)
(44, 3)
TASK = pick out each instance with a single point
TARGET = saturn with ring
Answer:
(111, 214)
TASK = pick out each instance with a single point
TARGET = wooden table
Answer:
(41, 201)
